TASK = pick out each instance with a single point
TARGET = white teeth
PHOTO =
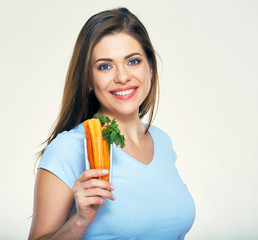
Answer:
(123, 93)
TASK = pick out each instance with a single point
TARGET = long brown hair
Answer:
(79, 103)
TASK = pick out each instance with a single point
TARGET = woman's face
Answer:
(121, 74)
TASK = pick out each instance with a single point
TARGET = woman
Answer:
(113, 72)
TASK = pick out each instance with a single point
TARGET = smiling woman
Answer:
(113, 72)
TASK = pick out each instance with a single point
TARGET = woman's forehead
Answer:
(115, 45)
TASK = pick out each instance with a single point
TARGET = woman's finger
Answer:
(94, 192)
(96, 183)
(89, 201)
(93, 173)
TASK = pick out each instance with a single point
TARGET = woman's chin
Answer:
(122, 112)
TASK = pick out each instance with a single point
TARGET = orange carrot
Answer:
(97, 147)
(89, 148)
(106, 158)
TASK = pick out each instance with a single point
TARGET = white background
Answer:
(208, 103)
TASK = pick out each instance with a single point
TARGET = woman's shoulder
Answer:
(68, 139)
(163, 141)
(158, 132)
(161, 137)
(76, 133)
(64, 156)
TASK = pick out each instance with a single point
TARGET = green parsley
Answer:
(111, 133)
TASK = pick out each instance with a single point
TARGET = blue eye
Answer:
(134, 62)
(104, 67)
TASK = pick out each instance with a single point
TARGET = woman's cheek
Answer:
(101, 81)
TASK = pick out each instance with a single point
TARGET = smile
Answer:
(124, 93)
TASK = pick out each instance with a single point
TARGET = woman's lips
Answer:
(124, 93)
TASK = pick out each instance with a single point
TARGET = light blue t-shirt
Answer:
(152, 202)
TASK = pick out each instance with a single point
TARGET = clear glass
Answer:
(98, 156)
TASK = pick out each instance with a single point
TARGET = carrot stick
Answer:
(90, 150)
(106, 158)
(89, 144)
(97, 142)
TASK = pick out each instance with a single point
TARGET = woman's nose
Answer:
(122, 75)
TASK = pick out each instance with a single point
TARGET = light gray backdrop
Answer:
(208, 104)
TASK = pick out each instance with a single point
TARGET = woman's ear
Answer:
(90, 88)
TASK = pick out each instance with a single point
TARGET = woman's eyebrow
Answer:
(132, 54)
(104, 60)
(111, 60)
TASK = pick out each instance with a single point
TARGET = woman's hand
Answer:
(54, 200)
(89, 193)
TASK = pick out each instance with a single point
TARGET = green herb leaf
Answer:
(111, 133)
(103, 119)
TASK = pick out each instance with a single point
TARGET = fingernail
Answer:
(112, 187)
(105, 171)
(113, 197)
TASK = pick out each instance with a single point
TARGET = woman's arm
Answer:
(53, 201)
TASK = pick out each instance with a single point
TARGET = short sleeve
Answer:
(64, 157)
